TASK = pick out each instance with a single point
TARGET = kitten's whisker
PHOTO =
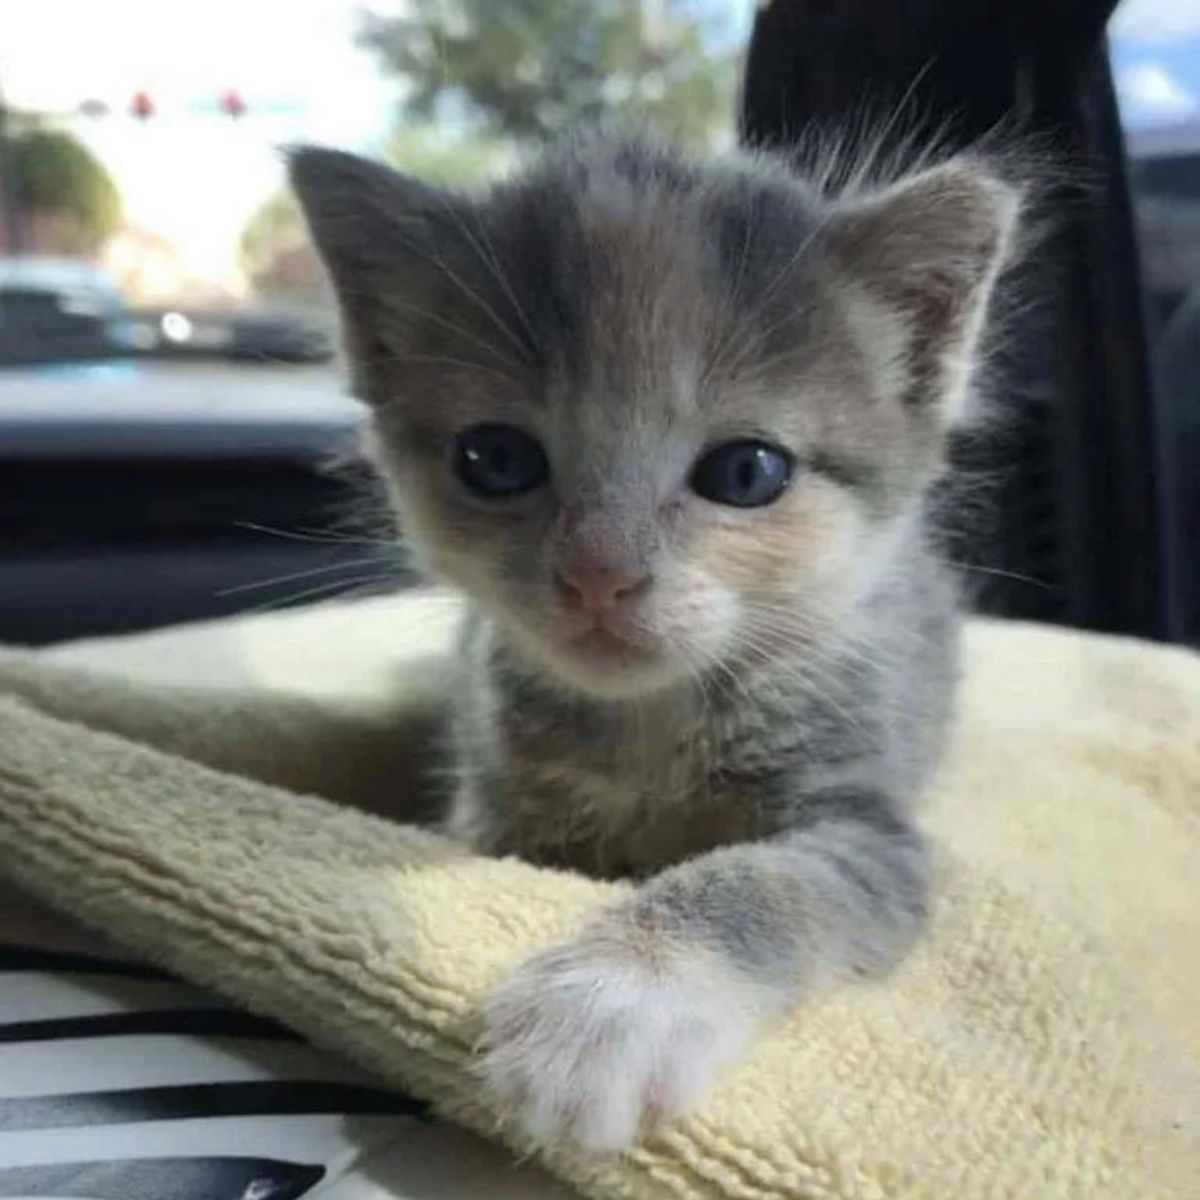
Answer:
(760, 306)
(722, 674)
(723, 680)
(358, 584)
(816, 640)
(1000, 573)
(258, 584)
(439, 360)
(427, 314)
(809, 673)
(859, 663)
(796, 313)
(849, 649)
(386, 542)
(697, 662)
(869, 162)
(818, 625)
(729, 674)
(305, 534)
(437, 261)
(485, 308)
(735, 296)
(491, 261)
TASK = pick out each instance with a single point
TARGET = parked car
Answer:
(260, 335)
(56, 309)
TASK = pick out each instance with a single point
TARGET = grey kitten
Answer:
(672, 429)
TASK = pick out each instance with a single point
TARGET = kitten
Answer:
(672, 429)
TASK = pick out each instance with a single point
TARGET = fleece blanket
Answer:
(1043, 1041)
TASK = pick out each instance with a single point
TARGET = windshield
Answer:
(142, 206)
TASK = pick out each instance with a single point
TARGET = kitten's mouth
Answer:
(604, 647)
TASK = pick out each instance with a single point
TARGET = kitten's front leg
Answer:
(626, 1024)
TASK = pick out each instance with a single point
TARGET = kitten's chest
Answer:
(623, 799)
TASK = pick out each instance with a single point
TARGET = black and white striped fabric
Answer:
(120, 1083)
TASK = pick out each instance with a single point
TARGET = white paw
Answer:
(586, 1043)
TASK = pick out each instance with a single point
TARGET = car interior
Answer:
(173, 456)
(143, 510)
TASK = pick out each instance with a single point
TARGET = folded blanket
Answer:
(1043, 1041)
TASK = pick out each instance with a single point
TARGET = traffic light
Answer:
(232, 104)
(141, 106)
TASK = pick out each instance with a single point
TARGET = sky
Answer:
(190, 174)
(1156, 61)
(194, 177)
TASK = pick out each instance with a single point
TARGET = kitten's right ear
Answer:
(931, 247)
(377, 232)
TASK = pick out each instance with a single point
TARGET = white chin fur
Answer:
(617, 680)
(611, 680)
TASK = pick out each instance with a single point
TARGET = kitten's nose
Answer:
(597, 589)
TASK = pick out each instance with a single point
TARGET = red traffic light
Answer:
(141, 106)
(231, 103)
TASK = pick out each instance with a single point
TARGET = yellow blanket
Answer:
(1044, 1041)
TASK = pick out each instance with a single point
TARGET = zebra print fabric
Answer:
(117, 1081)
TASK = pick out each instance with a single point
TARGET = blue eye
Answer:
(745, 474)
(497, 461)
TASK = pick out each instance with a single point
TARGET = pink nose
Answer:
(598, 589)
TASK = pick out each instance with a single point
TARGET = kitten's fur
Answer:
(755, 770)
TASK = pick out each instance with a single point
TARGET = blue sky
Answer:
(1155, 46)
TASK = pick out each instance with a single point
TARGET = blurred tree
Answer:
(275, 253)
(432, 154)
(276, 224)
(55, 175)
(526, 69)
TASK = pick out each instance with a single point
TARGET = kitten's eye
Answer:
(744, 474)
(496, 461)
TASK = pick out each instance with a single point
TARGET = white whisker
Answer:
(258, 584)
(493, 264)
(356, 586)
(305, 534)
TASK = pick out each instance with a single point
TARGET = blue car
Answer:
(53, 309)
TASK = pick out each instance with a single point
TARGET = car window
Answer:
(175, 438)
(145, 148)
(1155, 48)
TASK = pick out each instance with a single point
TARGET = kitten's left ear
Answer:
(930, 248)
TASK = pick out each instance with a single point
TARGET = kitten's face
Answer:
(655, 421)
(633, 528)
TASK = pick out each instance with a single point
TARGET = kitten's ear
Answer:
(931, 247)
(378, 233)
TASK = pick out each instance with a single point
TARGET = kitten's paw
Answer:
(588, 1043)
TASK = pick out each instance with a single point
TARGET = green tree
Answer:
(276, 227)
(430, 153)
(52, 172)
(525, 69)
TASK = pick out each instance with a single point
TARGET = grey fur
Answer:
(631, 306)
